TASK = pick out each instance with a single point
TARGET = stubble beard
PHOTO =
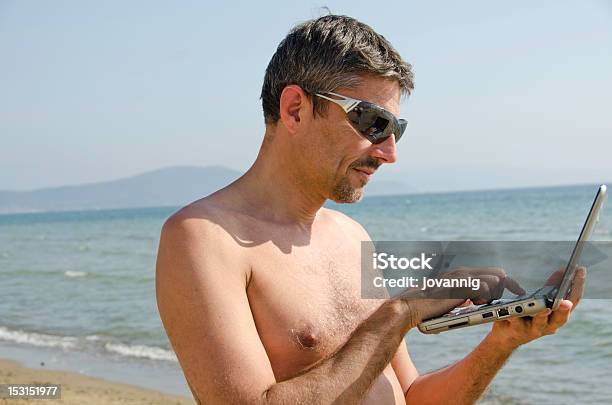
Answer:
(345, 192)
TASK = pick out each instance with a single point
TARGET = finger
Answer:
(513, 286)
(559, 317)
(508, 282)
(484, 293)
(519, 324)
(577, 286)
(555, 277)
(439, 292)
(495, 284)
(467, 303)
(429, 308)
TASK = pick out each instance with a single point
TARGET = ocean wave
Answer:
(93, 338)
(37, 339)
(95, 273)
(70, 273)
(72, 342)
(141, 351)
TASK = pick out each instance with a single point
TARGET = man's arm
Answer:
(201, 291)
(465, 381)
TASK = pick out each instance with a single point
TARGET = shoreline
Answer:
(149, 375)
(80, 389)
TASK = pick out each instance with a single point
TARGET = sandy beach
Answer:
(79, 389)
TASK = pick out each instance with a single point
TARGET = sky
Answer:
(507, 94)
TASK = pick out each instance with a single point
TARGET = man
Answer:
(258, 285)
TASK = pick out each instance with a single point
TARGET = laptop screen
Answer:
(564, 285)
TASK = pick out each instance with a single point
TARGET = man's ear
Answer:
(294, 103)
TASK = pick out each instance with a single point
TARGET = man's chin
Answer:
(346, 193)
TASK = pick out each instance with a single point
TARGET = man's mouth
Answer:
(364, 172)
(367, 170)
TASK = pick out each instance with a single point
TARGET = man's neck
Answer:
(275, 193)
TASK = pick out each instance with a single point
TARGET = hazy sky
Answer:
(507, 93)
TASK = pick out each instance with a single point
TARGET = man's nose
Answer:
(386, 151)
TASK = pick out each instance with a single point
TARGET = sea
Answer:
(77, 291)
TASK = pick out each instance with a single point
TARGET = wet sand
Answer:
(78, 389)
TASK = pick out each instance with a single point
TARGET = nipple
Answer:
(307, 338)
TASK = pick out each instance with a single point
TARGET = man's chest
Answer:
(306, 303)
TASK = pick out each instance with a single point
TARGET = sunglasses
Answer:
(372, 121)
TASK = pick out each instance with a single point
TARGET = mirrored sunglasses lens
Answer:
(370, 123)
(362, 118)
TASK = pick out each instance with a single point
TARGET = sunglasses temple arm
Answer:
(347, 104)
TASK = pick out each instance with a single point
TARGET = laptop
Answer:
(546, 297)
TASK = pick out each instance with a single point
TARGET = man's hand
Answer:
(514, 332)
(435, 301)
(466, 380)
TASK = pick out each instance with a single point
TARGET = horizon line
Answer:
(68, 211)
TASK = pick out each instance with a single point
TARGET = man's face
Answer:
(349, 159)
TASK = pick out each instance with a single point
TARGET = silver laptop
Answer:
(526, 305)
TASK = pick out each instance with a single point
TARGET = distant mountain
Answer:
(172, 186)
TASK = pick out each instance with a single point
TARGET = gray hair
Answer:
(328, 53)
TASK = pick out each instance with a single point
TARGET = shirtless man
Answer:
(258, 285)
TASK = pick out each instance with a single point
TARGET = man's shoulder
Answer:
(347, 223)
(196, 236)
(202, 222)
(196, 215)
